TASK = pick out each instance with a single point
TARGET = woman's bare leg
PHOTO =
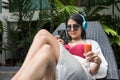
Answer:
(41, 66)
(41, 38)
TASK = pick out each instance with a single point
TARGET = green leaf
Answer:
(59, 4)
(69, 9)
(118, 40)
(109, 30)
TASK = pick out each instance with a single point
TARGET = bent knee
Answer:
(46, 47)
(43, 32)
(47, 50)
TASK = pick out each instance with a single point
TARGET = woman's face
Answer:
(74, 29)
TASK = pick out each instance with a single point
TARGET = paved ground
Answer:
(6, 73)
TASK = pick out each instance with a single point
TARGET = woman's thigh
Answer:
(42, 63)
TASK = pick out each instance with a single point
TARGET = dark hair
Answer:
(79, 20)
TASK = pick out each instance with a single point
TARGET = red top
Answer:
(76, 50)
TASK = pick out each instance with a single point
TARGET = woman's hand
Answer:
(92, 57)
(59, 39)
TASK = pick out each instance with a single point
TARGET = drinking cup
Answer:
(87, 48)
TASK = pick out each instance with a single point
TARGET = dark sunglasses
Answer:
(75, 27)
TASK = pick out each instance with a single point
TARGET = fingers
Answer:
(59, 39)
(92, 57)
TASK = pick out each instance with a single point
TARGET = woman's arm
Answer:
(92, 57)
(103, 66)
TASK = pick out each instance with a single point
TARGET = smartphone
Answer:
(63, 35)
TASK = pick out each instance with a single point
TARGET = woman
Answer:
(47, 59)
